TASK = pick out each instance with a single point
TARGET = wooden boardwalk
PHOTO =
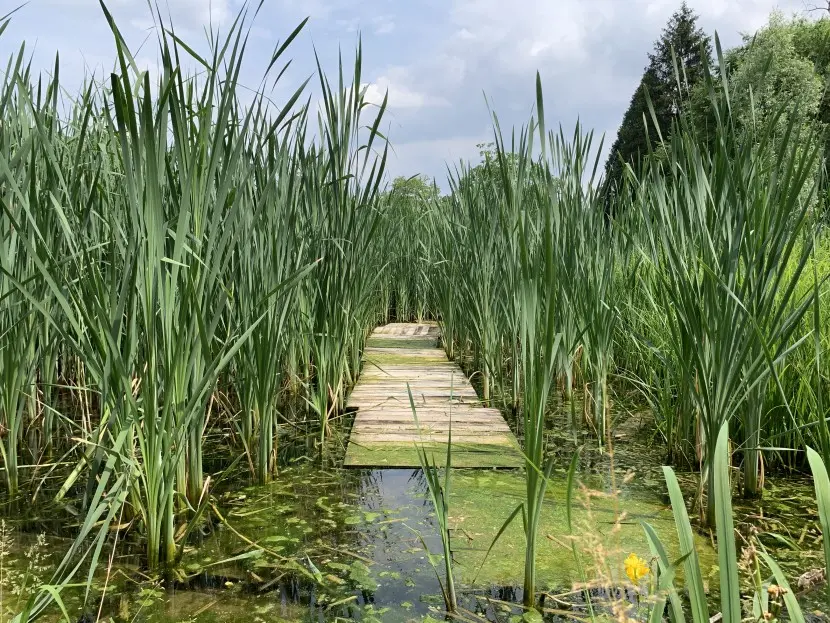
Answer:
(385, 433)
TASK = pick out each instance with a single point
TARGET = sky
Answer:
(437, 59)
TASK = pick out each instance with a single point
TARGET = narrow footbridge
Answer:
(385, 432)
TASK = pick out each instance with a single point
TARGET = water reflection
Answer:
(349, 545)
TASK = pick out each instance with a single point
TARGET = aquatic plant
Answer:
(821, 482)
(155, 232)
(439, 491)
(341, 182)
(181, 271)
(635, 568)
(727, 236)
(728, 561)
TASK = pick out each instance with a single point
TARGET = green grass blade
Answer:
(821, 482)
(685, 536)
(730, 589)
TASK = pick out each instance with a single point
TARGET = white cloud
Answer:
(184, 13)
(538, 47)
(206, 11)
(383, 25)
(321, 9)
(515, 36)
(562, 36)
(259, 32)
(401, 95)
(349, 25)
(590, 55)
(440, 57)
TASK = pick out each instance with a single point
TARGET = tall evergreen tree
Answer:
(693, 50)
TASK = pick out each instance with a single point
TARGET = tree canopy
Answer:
(682, 40)
(779, 73)
(410, 191)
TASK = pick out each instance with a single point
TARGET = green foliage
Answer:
(781, 71)
(728, 561)
(439, 492)
(727, 241)
(409, 267)
(174, 264)
(776, 73)
(20, 576)
(184, 261)
(677, 63)
(526, 282)
(770, 76)
(822, 486)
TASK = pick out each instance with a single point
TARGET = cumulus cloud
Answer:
(383, 24)
(516, 36)
(590, 56)
(437, 59)
(400, 94)
(184, 13)
(200, 12)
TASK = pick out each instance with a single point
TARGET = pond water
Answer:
(330, 544)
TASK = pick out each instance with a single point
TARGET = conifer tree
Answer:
(668, 91)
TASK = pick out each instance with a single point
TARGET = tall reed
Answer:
(172, 252)
(727, 223)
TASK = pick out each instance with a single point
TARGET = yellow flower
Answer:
(635, 568)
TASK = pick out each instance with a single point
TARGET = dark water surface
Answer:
(351, 545)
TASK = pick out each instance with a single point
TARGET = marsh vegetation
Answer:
(189, 273)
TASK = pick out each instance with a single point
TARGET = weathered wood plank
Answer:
(417, 392)
(473, 428)
(415, 434)
(385, 432)
(394, 438)
(406, 418)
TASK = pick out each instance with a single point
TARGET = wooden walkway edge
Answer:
(385, 432)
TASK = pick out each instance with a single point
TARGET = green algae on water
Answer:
(406, 455)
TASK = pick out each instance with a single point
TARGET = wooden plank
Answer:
(459, 410)
(418, 434)
(379, 415)
(476, 428)
(402, 393)
(396, 438)
(389, 393)
(384, 432)
(482, 422)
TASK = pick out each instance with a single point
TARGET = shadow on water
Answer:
(327, 544)
(334, 545)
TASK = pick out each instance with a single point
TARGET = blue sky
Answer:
(436, 58)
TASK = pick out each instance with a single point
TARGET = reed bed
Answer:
(175, 260)
(179, 262)
(705, 294)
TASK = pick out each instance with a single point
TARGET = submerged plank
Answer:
(403, 358)
(405, 455)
